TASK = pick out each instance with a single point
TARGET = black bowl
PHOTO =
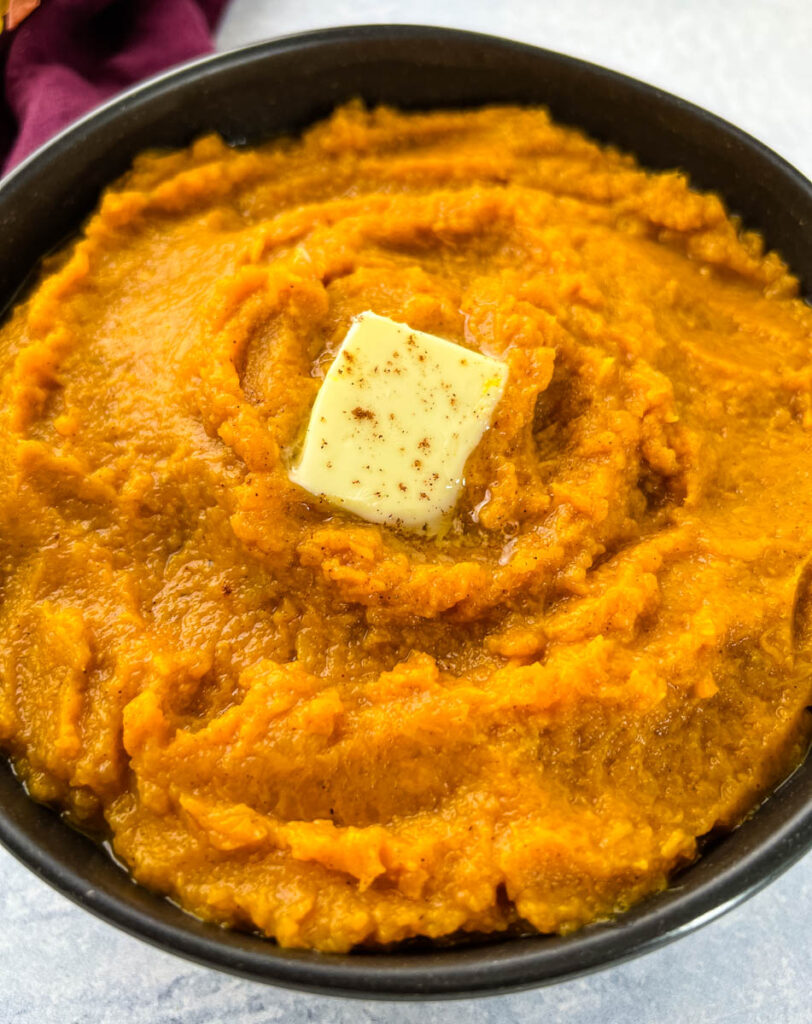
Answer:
(281, 86)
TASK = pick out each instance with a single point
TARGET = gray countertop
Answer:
(751, 62)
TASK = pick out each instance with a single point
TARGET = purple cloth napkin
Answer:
(70, 55)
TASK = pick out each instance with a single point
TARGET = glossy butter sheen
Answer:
(394, 422)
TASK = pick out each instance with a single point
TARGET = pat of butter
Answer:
(394, 422)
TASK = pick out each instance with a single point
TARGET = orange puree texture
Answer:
(293, 721)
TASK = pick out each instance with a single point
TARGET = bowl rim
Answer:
(198, 67)
(495, 966)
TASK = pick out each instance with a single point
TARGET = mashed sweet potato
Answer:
(293, 721)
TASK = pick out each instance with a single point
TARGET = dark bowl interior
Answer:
(281, 86)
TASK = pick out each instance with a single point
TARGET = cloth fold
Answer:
(70, 55)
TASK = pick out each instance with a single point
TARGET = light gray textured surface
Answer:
(751, 63)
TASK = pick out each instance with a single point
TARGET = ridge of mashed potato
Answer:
(334, 733)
